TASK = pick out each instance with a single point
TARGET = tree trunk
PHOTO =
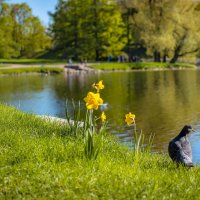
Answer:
(129, 13)
(96, 31)
(156, 56)
(176, 55)
(164, 58)
(97, 55)
(175, 58)
(128, 38)
(178, 48)
(76, 39)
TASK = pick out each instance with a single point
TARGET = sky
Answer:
(39, 8)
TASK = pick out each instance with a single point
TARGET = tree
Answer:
(127, 11)
(90, 29)
(35, 37)
(21, 33)
(108, 28)
(7, 44)
(66, 27)
(186, 30)
(28, 32)
(166, 28)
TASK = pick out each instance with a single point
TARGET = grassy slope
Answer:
(31, 70)
(139, 65)
(31, 61)
(39, 161)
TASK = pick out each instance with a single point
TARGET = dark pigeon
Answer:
(180, 149)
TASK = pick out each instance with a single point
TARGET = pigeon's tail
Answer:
(190, 165)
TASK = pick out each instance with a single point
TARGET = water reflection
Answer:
(163, 101)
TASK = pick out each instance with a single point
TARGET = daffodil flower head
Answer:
(98, 86)
(130, 118)
(103, 117)
(93, 100)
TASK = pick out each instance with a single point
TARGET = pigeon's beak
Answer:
(192, 130)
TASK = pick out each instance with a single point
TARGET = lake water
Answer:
(163, 101)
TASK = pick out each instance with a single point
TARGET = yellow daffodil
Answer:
(103, 117)
(98, 86)
(93, 100)
(130, 118)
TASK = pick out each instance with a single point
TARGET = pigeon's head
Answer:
(187, 129)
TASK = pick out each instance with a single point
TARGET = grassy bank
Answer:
(32, 61)
(140, 65)
(39, 160)
(54, 66)
(31, 70)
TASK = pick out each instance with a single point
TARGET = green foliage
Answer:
(87, 129)
(21, 33)
(39, 161)
(139, 146)
(88, 29)
(168, 29)
(7, 44)
(92, 145)
(93, 139)
(75, 127)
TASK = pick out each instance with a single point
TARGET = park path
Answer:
(68, 68)
(16, 66)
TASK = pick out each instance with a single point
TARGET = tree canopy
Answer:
(88, 29)
(21, 33)
(168, 29)
(96, 29)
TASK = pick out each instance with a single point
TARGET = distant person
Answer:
(123, 58)
(109, 58)
(138, 59)
(70, 61)
(118, 59)
(134, 59)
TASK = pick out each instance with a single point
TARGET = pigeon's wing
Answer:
(177, 154)
(186, 146)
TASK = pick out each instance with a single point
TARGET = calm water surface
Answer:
(163, 101)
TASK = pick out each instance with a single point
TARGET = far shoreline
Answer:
(58, 68)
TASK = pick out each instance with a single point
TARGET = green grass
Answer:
(32, 70)
(139, 65)
(39, 160)
(31, 61)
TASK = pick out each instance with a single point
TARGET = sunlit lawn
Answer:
(139, 65)
(39, 160)
(32, 61)
(32, 70)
